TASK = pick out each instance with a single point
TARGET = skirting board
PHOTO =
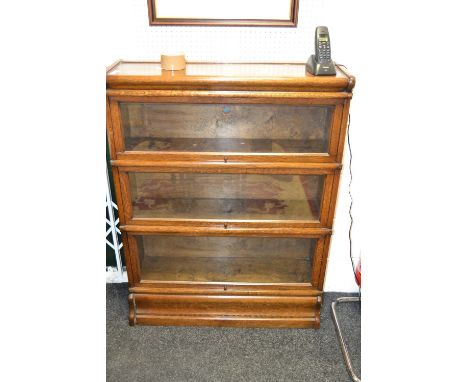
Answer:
(114, 276)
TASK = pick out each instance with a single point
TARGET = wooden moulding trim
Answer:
(116, 119)
(221, 231)
(131, 310)
(226, 167)
(138, 95)
(318, 259)
(236, 157)
(135, 261)
(323, 266)
(342, 83)
(113, 65)
(231, 321)
(126, 202)
(225, 22)
(118, 194)
(226, 289)
(231, 285)
(334, 132)
(343, 130)
(332, 192)
(110, 131)
(351, 78)
(269, 306)
(225, 310)
(222, 222)
(167, 298)
(325, 202)
(130, 261)
(336, 88)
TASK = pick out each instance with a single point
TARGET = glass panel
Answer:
(274, 72)
(226, 128)
(226, 196)
(225, 259)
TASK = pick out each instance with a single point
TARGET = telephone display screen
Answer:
(323, 37)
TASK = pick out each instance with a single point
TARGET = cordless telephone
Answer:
(320, 63)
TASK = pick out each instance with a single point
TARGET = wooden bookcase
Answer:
(226, 178)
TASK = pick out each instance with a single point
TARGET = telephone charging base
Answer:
(320, 69)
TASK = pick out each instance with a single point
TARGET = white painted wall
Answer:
(130, 37)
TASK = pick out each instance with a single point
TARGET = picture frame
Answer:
(268, 13)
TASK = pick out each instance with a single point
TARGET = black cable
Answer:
(351, 205)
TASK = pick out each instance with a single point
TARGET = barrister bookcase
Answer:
(226, 178)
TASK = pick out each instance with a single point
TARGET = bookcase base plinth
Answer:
(225, 310)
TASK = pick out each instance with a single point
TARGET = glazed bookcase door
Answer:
(226, 196)
(247, 128)
(237, 128)
(190, 198)
(225, 259)
(236, 260)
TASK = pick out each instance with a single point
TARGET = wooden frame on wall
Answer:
(270, 13)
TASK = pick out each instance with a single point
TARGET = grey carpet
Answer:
(144, 353)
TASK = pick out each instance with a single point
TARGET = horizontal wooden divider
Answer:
(220, 231)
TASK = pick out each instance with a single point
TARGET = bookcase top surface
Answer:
(228, 76)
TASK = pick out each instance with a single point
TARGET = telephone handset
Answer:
(320, 63)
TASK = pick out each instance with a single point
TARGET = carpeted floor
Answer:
(144, 353)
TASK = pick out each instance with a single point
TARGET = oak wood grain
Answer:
(173, 283)
(227, 230)
(209, 310)
(211, 76)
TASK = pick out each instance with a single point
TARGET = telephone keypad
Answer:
(324, 51)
